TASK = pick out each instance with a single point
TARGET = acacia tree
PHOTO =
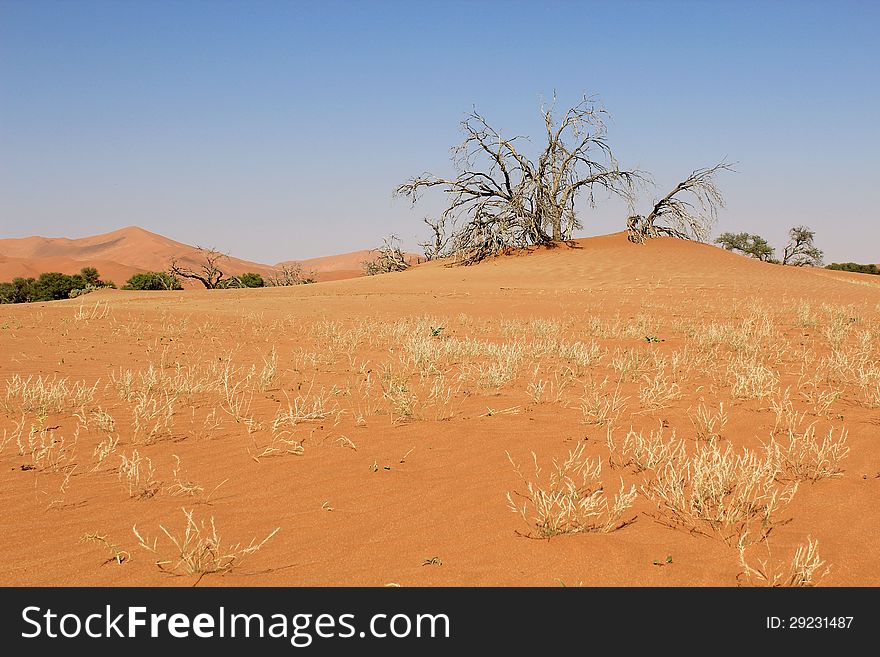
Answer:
(750, 245)
(800, 250)
(208, 273)
(689, 211)
(500, 197)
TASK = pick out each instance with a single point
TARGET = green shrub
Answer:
(51, 286)
(153, 280)
(854, 266)
(248, 279)
(20, 290)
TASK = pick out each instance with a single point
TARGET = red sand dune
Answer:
(120, 254)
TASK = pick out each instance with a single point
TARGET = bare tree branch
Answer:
(436, 246)
(689, 211)
(208, 274)
(290, 274)
(390, 258)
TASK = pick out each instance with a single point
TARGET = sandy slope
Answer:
(372, 499)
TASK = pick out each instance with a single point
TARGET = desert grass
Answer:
(718, 492)
(442, 397)
(44, 395)
(708, 424)
(103, 420)
(280, 442)
(103, 450)
(787, 418)
(117, 554)
(802, 457)
(573, 499)
(804, 568)
(152, 416)
(548, 390)
(49, 452)
(309, 406)
(139, 474)
(658, 391)
(269, 371)
(181, 485)
(397, 392)
(198, 549)
(101, 310)
(638, 452)
(601, 404)
(750, 378)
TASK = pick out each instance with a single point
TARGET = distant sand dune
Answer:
(120, 254)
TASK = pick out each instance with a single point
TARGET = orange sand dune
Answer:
(379, 444)
(119, 254)
(343, 265)
(32, 267)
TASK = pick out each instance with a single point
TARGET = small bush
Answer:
(153, 280)
(248, 279)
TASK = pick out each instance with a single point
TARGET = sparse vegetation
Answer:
(806, 567)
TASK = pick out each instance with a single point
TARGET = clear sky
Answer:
(278, 130)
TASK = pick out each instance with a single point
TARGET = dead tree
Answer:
(390, 258)
(500, 198)
(689, 211)
(208, 273)
(436, 246)
(800, 250)
(290, 274)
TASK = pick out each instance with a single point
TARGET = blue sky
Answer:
(278, 130)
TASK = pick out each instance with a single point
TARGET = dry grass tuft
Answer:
(716, 492)
(640, 453)
(572, 501)
(708, 425)
(140, 475)
(804, 569)
(803, 457)
(198, 549)
(600, 406)
(118, 555)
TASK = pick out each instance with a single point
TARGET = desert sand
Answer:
(374, 421)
